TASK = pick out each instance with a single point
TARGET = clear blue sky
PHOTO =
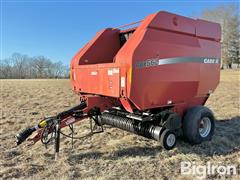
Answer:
(58, 29)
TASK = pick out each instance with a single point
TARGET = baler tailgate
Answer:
(99, 79)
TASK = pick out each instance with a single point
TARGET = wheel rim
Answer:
(171, 139)
(205, 127)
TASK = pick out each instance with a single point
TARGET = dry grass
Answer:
(114, 153)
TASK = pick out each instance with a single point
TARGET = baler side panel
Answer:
(101, 79)
(163, 36)
(124, 57)
(92, 68)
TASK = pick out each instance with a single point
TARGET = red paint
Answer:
(161, 35)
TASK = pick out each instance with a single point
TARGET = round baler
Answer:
(152, 79)
(159, 73)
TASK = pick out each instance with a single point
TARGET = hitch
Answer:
(49, 129)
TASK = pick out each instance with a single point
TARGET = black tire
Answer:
(194, 120)
(164, 139)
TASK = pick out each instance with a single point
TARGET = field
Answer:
(114, 154)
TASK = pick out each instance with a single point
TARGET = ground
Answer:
(114, 154)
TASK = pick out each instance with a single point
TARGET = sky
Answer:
(58, 29)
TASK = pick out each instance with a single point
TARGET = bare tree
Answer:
(227, 16)
(42, 67)
(234, 40)
(19, 64)
(59, 70)
(23, 66)
(6, 69)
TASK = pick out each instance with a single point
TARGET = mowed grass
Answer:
(114, 154)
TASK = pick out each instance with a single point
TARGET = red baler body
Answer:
(150, 80)
(168, 60)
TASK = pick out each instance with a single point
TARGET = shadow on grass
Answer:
(126, 152)
(225, 141)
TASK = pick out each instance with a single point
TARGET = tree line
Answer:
(20, 66)
(228, 17)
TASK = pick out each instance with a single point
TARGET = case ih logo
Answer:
(211, 60)
(157, 62)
